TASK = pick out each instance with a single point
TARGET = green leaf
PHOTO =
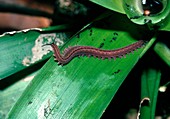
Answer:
(163, 51)
(13, 51)
(21, 49)
(10, 95)
(149, 90)
(165, 24)
(85, 86)
(115, 5)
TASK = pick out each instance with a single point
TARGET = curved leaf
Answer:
(115, 5)
(166, 24)
(21, 49)
(84, 87)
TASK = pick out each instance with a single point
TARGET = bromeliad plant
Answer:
(83, 87)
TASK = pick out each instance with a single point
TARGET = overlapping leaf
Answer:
(84, 87)
(21, 49)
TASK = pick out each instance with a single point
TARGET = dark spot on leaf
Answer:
(127, 5)
(101, 45)
(114, 38)
(116, 72)
(116, 34)
(30, 102)
(91, 31)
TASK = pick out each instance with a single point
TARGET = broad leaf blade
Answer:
(21, 49)
(84, 87)
(10, 95)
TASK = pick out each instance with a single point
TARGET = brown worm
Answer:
(70, 53)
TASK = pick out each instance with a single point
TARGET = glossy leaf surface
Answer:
(115, 5)
(21, 49)
(149, 89)
(84, 87)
